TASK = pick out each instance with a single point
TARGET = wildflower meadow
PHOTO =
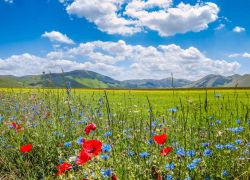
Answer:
(124, 134)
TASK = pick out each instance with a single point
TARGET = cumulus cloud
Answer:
(55, 36)
(170, 21)
(104, 13)
(237, 55)
(239, 29)
(129, 17)
(122, 61)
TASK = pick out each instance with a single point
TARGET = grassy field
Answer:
(207, 134)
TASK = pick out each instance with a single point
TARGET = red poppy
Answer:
(63, 167)
(90, 127)
(166, 150)
(92, 147)
(161, 139)
(26, 148)
(83, 158)
(113, 177)
(16, 126)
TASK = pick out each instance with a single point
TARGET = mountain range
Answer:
(90, 79)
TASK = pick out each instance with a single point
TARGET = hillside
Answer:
(90, 79)
(222, 81)
(151, 83)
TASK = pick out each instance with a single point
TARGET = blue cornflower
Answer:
(191, 166)
(196, 161)
(106, 147)
(144, 154)
(80, 140)
(230, 146)
(107, 134)
(154, 123)
(180, 151)
(207, 178)
(225, 173)
(206, 144)
(105, 156)
(236, 129)
(172, 110)
(106, 172)
(131, 153)
(219, 146)
(190, 153)
(170, 166)
(238, 141)
(207, 152)
(218, 121)
(150, 141)
(187, 178)
(67, 144)
(238, 121)
(169, 177)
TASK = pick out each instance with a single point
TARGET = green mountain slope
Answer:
(90, 79)
(151, 83)
(9, 81)
(78, 79)
(222, 81)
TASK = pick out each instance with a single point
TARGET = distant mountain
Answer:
(240, 81)
(78, 79)
(222, 81)
(151, 83)
(90, 79)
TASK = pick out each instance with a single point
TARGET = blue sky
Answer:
(213, 34)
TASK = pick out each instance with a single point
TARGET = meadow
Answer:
(124, 134)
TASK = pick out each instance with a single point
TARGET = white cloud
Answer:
(104, 14)
(122, 61)
(170, 21)
(129, 17)
(239, 29)
(220, 27)
(237, 55)
(55, 36)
